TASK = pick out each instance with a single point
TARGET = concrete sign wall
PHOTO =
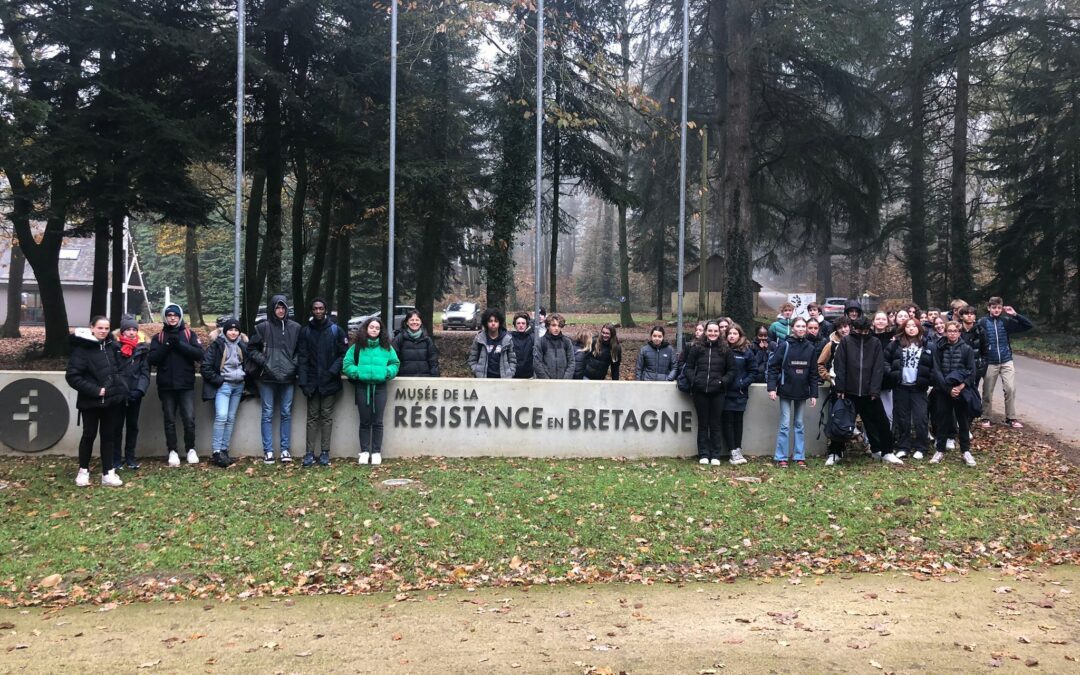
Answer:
(452, 417)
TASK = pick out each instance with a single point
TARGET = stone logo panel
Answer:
(34, 415)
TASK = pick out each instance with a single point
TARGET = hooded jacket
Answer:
(95, 365)
(274, 345)
(214, 361)
(523, 353)
(852, 305)
(859, 364)
(320, 350)
(792, 370)
(174, 352)
(369, 365)
(419, 356)
(478, 355)
(894, 365)
(553, 357)
(997, 331)
(655, 364)
(710, 367)
(746, 373)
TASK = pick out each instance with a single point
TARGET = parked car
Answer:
(399, 317)
(833, 307)
(464, 315)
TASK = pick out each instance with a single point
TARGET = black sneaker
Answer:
(324, 459)
(227, 461)
(268, 457)
(131, 464)
(309, 459)
(285, 457)
(215, 459)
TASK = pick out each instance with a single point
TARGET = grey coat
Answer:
(655, 364)
(478, 356)
(553, 358)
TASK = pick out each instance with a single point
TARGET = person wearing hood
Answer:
(174, 353)
(370, 363)
(223, 383)
(321, 349)
(524, 339)
(553, 355)
(492, 353)
(656, 361)
(859, 365)
(135, 366)
(792, 378)
(273, 348)
(95, 372)
(852, 309)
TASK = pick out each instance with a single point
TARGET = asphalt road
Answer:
(1047, 398)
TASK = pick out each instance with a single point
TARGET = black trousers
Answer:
(710, 413)
(95, 420)
(909, 415)
(951, 413)
(128, 422)
(731, 424)
(370, 403)
(184, 401)
(320, 421)
(875, 422)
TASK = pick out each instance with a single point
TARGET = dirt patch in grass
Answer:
(1012, 619)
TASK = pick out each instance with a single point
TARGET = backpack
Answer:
(840, 422)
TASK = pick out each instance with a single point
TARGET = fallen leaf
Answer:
(1003, 589)
(858, 644)
(1023, 640)
(108, 607)
(562, 615)
(6, 625)
(51, 581)
(876, 665)
(1031, 662)
(515, 563)
(150, 664)
(1046, 603)
(303, 654)
(636, 518)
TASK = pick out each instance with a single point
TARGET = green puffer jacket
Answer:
(372, 365)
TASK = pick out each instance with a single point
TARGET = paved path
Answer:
(1047, 397)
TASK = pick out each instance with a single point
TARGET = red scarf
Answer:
(127, 345)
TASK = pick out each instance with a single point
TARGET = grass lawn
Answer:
(1057, 347)
(254, 529)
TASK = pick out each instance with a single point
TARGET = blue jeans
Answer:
(282, 394)
(790, 408)
(226, 402)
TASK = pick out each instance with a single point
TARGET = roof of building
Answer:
(76, 261)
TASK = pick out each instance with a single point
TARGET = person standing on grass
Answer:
(605, 355)
(1002, 322)
(320, 351)
(859, 367)
(492, 353)
(553, 355)
(792, 378)
(656, 361)
(738, 394)
(909, 364)
(710, 370)
(524, 339)
(223, 383)
(415, 348)
(954, 371)
(975, 337)
(135, 365)
(94, 371)
(174, 353)
(884, 331)
(274, 349)
(780, 328)
(370, 363)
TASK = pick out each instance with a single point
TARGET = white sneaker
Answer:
(736, 457)
(703, 460)
(968, 459)
(938, 456)
(918, 455)
(890, 458)
(174, 459)
(876, 456)
(365, 458)
(376, 458)
(830, 460)
(111, 479)
(950, 444)
(714, 461)
(82, 479)
(901, 453)
(192, 457)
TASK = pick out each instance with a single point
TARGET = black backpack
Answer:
(839, 423)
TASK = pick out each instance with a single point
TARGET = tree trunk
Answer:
(660, 271)
(299, 249)
(961, 272)
(738, 298)
(556, 180)
(916, 249)
(272, 151)
(626, 320)
(703, 258)
(822, 251)
(344, 288)
(16, 270)
(318, 262)
(99, 293)
(332, 270)
(191, 279)
(252, 287)
(119, 277)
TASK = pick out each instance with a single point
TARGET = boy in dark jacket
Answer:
(954, 371)
(174, 352)
(553, 355)
(273, 348)
(322, 347)
(135, 366)
(859, 367)
(1002, 322)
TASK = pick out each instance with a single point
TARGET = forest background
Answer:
(927, 148)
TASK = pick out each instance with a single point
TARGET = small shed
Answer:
(714, 288)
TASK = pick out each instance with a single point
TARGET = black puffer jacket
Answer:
(894, 365)
(274, 345)
(977, 340)
(762, 356)
(793, 370)
(93, 366)
(136, 370)
(746, 373)
(596, 365)
(523, 350)
(859, 365)
(656, 364)
(553, 357)
(419, 356)
(174, 352)
(319, 352)
(711, 367)
(953, 364)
